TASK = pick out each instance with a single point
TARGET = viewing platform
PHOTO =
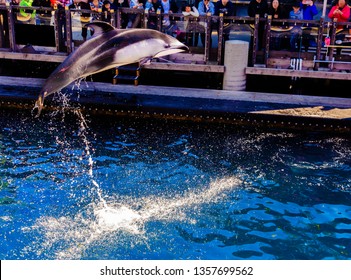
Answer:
(25, 40)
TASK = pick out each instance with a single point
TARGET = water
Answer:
(82, 187)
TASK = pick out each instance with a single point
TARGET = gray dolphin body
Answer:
(108, 48)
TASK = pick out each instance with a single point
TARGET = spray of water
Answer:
(125, 215)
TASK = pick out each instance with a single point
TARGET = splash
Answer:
(125, 217)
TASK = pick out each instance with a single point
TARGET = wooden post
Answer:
(319, 42)
(159, 20)
(11, 21)
(142, 19)
(220, 39)
(255, 39)
(118, 19)
(69, 40)
(56, 28)
(208, 32)
(113, 18)
(145, 18)
(332, 40)
(267, 38)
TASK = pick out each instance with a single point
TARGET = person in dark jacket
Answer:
(259, 7)
(117, 4)
(227, 8)
(277, 12)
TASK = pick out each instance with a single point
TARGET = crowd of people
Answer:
(193, 28)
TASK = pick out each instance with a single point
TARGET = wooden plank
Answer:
(285, 63)
(32, 57)
(187, 56)
(297, 73)
(185, 67)
(90, 88)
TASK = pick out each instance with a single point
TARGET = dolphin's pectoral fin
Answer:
(99, 27)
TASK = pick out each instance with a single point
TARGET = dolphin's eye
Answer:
(167, 46)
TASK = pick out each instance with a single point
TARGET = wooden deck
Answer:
(295, 112)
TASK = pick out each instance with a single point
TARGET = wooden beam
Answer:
(298, 73)
(185, 67)
(32, 56)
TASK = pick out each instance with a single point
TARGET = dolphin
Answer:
(108, 48)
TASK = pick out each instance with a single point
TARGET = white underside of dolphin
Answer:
(108, 48)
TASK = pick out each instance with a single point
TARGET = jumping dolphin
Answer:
(108, 48)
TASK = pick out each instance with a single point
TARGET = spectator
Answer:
(205, 7)
(43, 17)
(25, 15)
(191, 13)
(134, 19)
(169, 7)
(60, 5)
(277, 12)
(106, 11)
(96, 6)
(117, 4)
(258, 7)
(84, 17)
(309, 10)
(296, 32)
(341, 12)
(152, 6)
(227, 8)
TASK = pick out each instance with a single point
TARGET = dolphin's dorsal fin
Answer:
(100, 27)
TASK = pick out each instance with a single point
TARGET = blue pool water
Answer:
(82, 187)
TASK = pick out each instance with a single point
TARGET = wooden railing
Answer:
(208, 54)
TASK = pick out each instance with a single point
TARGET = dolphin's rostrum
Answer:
(108, 48)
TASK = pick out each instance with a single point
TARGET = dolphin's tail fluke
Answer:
(39, 105)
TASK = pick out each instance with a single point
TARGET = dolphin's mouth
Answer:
(176, 49)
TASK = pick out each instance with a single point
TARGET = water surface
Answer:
(82, 187)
